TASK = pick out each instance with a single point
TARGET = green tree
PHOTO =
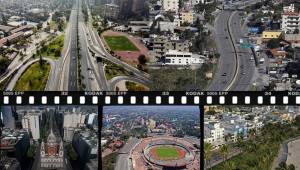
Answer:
(273, 43)
(229, 165)
(31, 151)
(41, 61)
(71, 152)
(207, 153)
(142, 59)
(4, 62)
(224, 150)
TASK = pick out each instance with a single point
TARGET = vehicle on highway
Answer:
(224, 74)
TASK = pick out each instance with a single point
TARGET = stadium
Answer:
(164, 152)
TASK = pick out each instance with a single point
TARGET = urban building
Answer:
(111, 11)
(268, 35)
(186, 17)
(137, 26)
(170, 5)
(72, 120)
(159, 45)
(85, 143)
(293, 39)
(11, 39)
(174, 57)
(15, 142)
(52, 153)
(290, 19)
(6, 29)
(31, 123)
(152, 124)
(214, 133)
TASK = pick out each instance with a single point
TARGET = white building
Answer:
(195, 2)
(214, 133)
(30, 122)
(91, 119)
(290, 8)
(290, 19)
(170, 5)
(174, 57)
(72, 120)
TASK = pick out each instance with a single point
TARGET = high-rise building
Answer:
(30, 122)
(290, 19)
(171, 5)
(72, 120)
(152, 124)
(214, 133)
(111, 11)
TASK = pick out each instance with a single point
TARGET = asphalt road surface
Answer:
(123, 161)
(247, 66)
(227, 61)
(72, 83)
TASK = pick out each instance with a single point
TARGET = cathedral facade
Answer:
(52, 153)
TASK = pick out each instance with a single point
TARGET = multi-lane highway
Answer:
(95, 44)
(227, 62)
(236, 68)
(73, 58)
(21, 70)
(245, 75)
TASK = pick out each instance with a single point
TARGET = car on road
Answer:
(224, 74)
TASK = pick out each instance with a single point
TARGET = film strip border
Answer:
(149, 98)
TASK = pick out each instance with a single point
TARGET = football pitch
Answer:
(120, 43)
(167, 152)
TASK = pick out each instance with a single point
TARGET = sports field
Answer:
(120, 43)
(167, 152)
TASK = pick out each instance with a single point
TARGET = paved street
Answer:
(246, 65)
(73, 58)
(123, 156)
(227, 61)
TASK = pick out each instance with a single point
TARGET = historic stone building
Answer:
(52, 153)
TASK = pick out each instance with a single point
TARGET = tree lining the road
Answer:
(109, 161)
(260, 150)
(112, 70)
(53, 49)
(173, 79)
(4, 63)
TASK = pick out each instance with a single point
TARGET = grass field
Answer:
(167, 152)
(34, 78)
(120, 43)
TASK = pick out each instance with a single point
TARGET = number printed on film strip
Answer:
(150, 98)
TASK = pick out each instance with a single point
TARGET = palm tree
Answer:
(224, 150)
(229, 165)
(207, 153)
(252, 133)
(291, 167)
